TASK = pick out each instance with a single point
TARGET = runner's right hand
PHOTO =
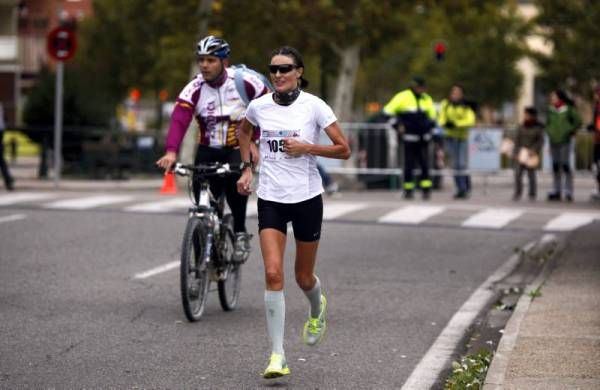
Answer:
(244, 182)
(167, 161)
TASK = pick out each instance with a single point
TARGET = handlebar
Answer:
(205, 170)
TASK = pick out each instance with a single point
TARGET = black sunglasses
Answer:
(283, 68)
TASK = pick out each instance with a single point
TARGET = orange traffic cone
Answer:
(169, 187)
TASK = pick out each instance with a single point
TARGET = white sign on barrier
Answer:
(484, 149)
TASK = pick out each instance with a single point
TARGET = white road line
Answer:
(160, 206)
(11, 218)
(336, 210)
(411, 214)
(440, 353)
(492, 218)
(22, 197)
(157, 270)
(89, 202)
(568, 221)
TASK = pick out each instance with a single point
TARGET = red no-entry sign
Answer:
(62, 43)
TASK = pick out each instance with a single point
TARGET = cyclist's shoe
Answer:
(277, 367)
(314, 328)
(241, 248)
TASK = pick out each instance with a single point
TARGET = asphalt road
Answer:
(73, 316)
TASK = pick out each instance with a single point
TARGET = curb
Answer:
(548, 244)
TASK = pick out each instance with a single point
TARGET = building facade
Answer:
(24, 26)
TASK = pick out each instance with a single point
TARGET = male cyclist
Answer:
(212, 97)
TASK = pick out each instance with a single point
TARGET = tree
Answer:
(572, 29)
(483, 44)
(367, 49)
(81, 107)
(345, 29)
(146, 44)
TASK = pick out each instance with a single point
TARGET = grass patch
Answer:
(470, 372)
(535, 293)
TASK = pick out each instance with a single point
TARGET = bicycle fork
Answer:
(208, 248)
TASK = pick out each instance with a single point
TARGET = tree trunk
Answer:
(188, 147)
(344, 89)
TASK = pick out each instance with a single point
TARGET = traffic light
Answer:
(439, 51)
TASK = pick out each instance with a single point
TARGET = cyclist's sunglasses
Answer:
(283, 68)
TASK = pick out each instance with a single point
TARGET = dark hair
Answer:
(562, 95)
(418, 81)
(456, 85)
(531, 111)
(294, 55)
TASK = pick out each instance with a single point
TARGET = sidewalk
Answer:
(553, 341)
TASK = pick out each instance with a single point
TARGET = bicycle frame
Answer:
(206, 206)
(208, 243)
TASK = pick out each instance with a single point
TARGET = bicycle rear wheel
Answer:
(194, 279)
(229, 289)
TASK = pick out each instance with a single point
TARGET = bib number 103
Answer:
(275, 145)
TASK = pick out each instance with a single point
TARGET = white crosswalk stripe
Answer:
(568, 221)
(12, 218)
(411, 214)
(89, 202)
(23, 197)
(162, 206)
(492, 218)
(545, 219)
(336, 210)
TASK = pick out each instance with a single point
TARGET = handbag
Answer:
(528, 157)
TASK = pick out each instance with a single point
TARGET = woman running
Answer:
(290, 189)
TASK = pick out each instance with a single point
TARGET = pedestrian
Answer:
(289, 189)
(456, 118)
(9, 181)
(595, 128)
(562, 123)
(218, 104)
(526, 153)
(414, 110)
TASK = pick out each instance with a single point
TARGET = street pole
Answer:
(58, 111)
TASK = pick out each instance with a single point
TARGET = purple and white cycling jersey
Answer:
(217, 107)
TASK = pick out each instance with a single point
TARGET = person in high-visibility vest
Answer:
(456, 118)
(414, 109)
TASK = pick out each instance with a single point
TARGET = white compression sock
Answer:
(275, 309)
(314, 297)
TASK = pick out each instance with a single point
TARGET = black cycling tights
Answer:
(237, 203)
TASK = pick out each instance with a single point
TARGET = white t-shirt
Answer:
(284, 178)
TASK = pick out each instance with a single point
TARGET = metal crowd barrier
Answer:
(377, 154)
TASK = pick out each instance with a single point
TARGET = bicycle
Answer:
(208, 244)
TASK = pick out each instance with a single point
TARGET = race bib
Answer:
(272, 144)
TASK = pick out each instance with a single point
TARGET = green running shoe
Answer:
(277, 367)
(314, 328)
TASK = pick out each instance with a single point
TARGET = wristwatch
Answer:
(246, 164)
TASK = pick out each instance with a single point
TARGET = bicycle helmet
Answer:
(213, 46)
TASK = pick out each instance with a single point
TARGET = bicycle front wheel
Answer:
(194, 279)
(229, 288)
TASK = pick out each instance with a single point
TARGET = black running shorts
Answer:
(306, 217)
